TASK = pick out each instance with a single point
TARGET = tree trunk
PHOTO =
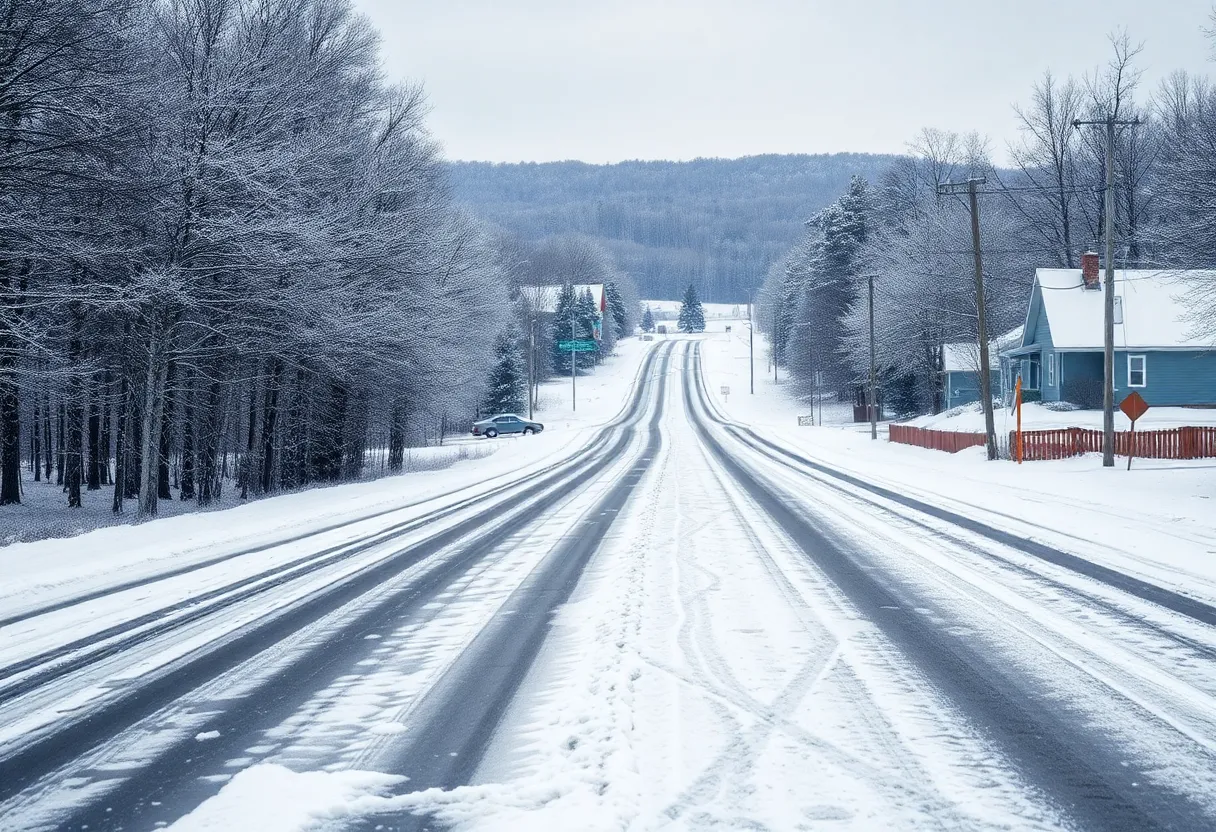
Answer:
(134, 458)
(106, 423)
(73, 474)
(154, 407)
(10, 404)
(187, 486)
(270, 417)
(396, 438)
(209, 438)
(122, 437)
(46, 437)
(165, 444)
(10, 426)
(36, 441)
(94, 470)
(62, 456)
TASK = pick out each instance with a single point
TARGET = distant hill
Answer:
(717, 223)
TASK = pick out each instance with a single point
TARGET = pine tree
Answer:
(616, 310)
(571, 323)
(647, 320)
(692, 317)
(506, 391)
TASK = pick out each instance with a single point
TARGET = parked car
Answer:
(506, 423)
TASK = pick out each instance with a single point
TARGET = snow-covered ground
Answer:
(756, 644)
(668, 310)
(1154, 521)
(44, 572)
(1037, 416)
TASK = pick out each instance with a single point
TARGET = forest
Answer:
(230, 254)
(715, 223)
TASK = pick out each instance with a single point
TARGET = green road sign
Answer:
(577, 346)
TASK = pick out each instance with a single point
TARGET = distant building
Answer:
(961, 368)
(1159, 352)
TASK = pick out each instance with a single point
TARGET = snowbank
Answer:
(271, 798)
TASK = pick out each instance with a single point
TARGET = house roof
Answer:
(964, 357)
(1155, 313)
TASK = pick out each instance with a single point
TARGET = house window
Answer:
(1051, 370)
(1137, 371)
(1118, 310)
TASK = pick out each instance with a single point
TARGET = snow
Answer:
(272, 798)
(969, 418)
(43, 572)
(1155, 309)
(668, 310)
(1153, 522)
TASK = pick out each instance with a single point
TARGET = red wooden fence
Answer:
(937, 440)
(1178, 443)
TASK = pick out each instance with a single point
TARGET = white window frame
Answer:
(1051, 369)
(1143, 371)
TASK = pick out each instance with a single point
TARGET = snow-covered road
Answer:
(685, 624)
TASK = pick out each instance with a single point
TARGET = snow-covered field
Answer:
(668, 310)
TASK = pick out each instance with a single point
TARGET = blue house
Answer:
(1159, 350)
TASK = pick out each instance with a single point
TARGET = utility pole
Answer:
(573, 366)
(985, 368)
(1108, 324)
(531, 359)
(751, 342)
(873, 367)
(776, 333)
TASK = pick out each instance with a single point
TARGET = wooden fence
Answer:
(949, 441)
(1177, 443)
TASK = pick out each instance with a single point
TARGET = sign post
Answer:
(575, 346)
(1133, 407)
(1017, 398)
(725, 392)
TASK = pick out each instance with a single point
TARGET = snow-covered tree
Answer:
(507, 386)
(692, 316)
(647, 320)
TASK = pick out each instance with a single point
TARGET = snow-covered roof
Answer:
(964, 357)
(548, 295)
(1154, 309)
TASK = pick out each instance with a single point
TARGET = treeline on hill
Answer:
(715, 223)
(229, 252)
(1043, 212)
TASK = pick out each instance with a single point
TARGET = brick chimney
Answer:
(1089, 270)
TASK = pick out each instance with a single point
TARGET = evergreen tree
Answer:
(647, 320)
(616, 311)
(563, 329)
(692, 317)
(508, 383)
(573, 320)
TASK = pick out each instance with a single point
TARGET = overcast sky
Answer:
(540, 80)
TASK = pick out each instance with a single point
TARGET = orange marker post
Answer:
(1018, 399)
